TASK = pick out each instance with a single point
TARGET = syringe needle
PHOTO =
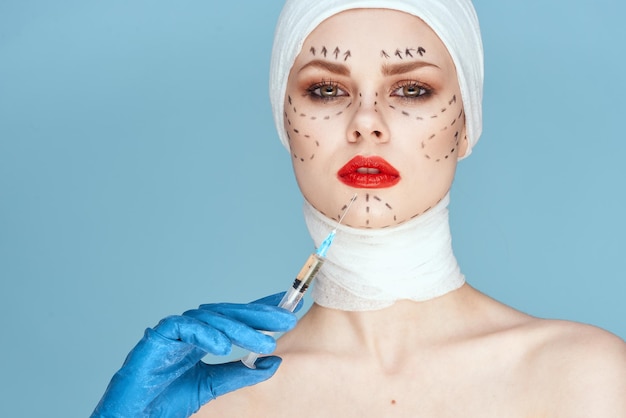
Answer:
(345, 211)
(323, 248)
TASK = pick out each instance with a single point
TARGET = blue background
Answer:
(140, 175)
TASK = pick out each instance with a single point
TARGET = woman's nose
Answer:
(368, 123)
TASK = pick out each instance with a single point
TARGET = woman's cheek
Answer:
(437, 133)
(309, 126)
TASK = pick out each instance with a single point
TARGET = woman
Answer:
(380, 99)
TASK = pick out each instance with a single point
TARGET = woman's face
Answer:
(373, 107)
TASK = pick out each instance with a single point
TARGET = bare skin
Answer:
(460, 355)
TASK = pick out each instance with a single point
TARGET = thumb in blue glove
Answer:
(164, 376)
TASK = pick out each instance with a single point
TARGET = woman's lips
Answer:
(368, 173)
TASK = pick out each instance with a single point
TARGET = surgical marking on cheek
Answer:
(339, 113)
(453, 100)
(453, 143)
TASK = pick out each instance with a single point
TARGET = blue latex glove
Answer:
(163, 376)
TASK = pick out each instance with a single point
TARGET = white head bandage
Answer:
(454, 21)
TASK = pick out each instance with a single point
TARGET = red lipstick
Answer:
(368, 173)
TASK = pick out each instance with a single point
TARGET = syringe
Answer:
(302, 281)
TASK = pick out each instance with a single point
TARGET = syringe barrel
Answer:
(301, 282)
(294, 294)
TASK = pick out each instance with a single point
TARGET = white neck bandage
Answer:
(369, 269)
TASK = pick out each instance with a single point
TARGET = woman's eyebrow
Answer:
(405, 67)
(339, 69)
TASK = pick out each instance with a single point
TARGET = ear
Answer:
(463, 143)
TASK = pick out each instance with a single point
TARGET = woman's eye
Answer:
(326, 91)
(410, 90)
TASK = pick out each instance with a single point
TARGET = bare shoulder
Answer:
(581, 368)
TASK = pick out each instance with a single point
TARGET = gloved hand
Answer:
(163, 376)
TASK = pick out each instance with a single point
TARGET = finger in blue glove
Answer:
(164, 374)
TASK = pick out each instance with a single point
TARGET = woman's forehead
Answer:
(384, 33)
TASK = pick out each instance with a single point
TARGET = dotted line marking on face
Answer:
(292, 129)
(443, 110)
(371, 200)
(376, 200)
